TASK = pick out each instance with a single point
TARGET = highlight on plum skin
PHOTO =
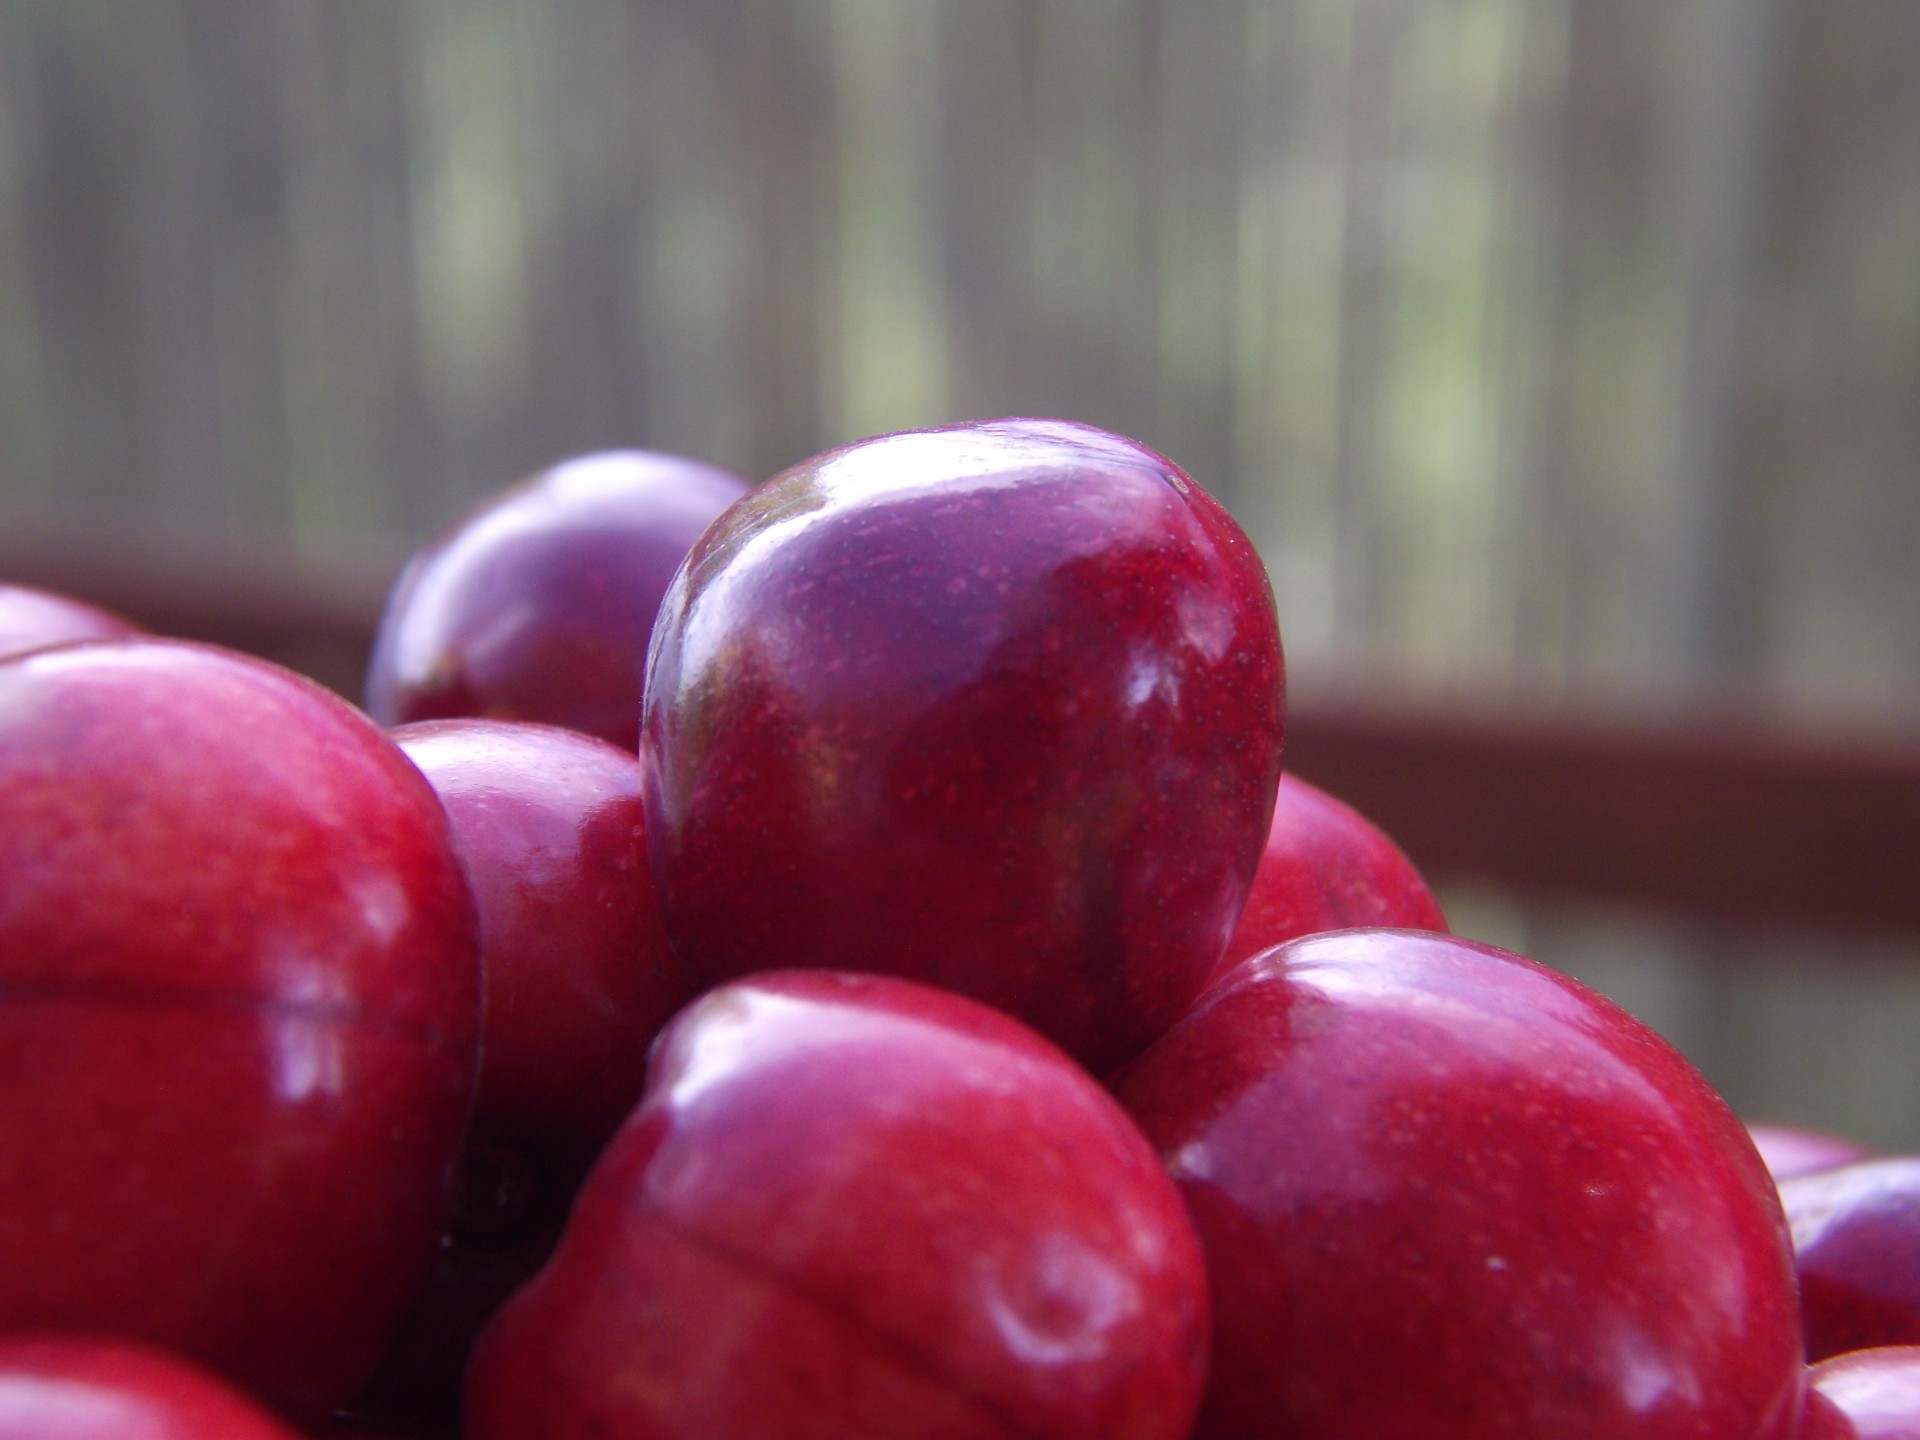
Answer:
(578, 978)
(71, 1387)
(857, 1205)
(1437, 1182)
(1010, 693)
(578, 971)
(1874, 1393)
(32, 619)
(1791, 1150)
(239, 1014)
(538, 604)
(1856, 1239)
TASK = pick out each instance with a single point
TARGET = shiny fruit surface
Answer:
(997, 707)
(1877, 1391)
(538, 605)
(1856, 1240)
(579, 979)
(1793, 1150)
(579, 976)
(32, 619)
(61, 1387)
(1446, 1192)
(239, 1008)
(850, 1205)
(1327, 867)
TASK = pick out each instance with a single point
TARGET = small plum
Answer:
(997, 707)
(579, 975)
(579, 979)
(1856, 1238)
(538, 604)
(1447, 1192)
(851, 1205)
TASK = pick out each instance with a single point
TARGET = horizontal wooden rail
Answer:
(1706, 815)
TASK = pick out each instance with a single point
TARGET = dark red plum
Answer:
(579, 975)
(239, 1012)
(1856, 1237)
(851, 1205)
(579, 978)
(1447, 1192)
(997, 707)
(539, 604)
(1327, 867)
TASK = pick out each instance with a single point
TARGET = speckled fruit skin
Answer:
(239, 1007)
(997, 707)
(1876, 1393)
(1856, 1236)
(538, 605)
(579, 979)
(1446, 1192)
(1326, 867)
(1790, 1150)
(60, 1387)
(851, 1205)
(32, 619)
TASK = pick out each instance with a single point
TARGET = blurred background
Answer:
(1562, 356)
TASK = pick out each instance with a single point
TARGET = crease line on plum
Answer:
(889, 1347)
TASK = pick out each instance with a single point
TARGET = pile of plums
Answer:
(837, 958)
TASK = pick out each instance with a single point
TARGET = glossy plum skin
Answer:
(1447, 1192)
(32, 619)
(1877, 1392)
(1326, 867)
(997, 707)
(855, 1205)
(538, 605)
(239, 1009)
(1856, 1236)
(579, 979)
(579, 975)
(59, 1387)
(1791, 1150)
